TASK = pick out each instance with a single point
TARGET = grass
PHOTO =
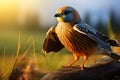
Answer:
(16, 43)
(9, 40)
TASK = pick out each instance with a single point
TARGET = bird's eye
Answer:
(67, 12)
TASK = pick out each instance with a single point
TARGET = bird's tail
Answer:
(115, 56)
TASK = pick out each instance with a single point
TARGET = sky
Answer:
(47, 8)
(97, 8)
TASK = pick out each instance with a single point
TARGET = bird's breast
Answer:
(74, 41)
(64, 32)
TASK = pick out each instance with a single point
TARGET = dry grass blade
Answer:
(31, 44)
(19, 45)
(28, 44)
(34, 53)
(18, 68)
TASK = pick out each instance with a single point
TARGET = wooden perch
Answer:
(103, 69)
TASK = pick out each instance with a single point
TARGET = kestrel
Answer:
(77, 37)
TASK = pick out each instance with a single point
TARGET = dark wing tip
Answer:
(51, 42)
(114, 43)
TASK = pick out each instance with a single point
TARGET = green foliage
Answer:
(9, 40)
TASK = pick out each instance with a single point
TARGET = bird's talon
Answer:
(82, 67)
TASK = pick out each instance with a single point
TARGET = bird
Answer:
(79, 38)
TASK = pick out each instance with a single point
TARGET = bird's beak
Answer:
(57, 15)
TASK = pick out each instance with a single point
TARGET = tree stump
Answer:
(103, 69)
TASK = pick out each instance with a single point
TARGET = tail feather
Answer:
(115, 56)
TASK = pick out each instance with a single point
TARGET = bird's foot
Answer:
(82, 67)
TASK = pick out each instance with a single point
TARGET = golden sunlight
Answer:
(8, 9)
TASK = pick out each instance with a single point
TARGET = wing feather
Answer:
(92, 33)
(112, 42)
(51, 42)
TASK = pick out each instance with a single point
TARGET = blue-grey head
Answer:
(67, 14)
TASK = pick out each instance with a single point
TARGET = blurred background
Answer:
(23, 24)
(32, 16)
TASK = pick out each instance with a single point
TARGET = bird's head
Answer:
(67, 14)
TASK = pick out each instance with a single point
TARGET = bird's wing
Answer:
(51, 42)
(92, 33)
(112, 42)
